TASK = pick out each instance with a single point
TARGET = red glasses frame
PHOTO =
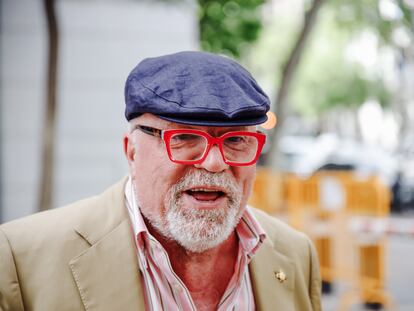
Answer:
(211, 140)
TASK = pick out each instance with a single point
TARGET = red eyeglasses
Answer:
(188, 146)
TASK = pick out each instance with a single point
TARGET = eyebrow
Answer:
(149, 130)
(219, 130)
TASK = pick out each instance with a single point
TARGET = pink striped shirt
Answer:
(164, 290)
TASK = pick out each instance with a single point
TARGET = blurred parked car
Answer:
(305, 155)
(403, 188)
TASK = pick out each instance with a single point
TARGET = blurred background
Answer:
(339, 161)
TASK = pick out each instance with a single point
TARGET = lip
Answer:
(192, 202)
(208, 188)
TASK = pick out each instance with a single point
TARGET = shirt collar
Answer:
(250, 232)
(137, 221)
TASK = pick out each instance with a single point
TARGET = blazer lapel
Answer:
(273, 277)
(107, 273)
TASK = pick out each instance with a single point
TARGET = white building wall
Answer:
(100, 43)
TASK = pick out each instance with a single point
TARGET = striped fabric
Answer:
(163, 288)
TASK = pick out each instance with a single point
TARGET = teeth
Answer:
(204, 189)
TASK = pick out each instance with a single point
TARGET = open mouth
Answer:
(205, 194)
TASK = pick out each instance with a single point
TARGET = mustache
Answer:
(203, 178)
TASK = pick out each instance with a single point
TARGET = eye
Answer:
(185, 137)
(235, 139)
(186, 140)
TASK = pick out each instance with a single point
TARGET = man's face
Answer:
(198, 205)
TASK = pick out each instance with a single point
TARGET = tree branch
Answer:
(288, 73)
(46, 184)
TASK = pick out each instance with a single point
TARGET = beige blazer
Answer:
(82, 257)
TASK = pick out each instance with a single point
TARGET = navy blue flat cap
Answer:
(195, 88)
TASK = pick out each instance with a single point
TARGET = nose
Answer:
(214, 161)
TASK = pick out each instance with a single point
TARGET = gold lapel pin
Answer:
(281, 276)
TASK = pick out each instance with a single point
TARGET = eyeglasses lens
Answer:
(187, 147)
(240, 149)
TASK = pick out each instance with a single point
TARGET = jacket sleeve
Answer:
(10, 294)
(315, 284)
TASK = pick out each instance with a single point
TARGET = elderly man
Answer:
(176, 234)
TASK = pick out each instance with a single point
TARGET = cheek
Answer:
(153, 175)
(245, 178)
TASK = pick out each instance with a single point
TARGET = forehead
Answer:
(154, 121)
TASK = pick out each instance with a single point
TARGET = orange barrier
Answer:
(266, 193)
(322, 205)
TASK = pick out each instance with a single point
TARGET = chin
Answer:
(202, 230)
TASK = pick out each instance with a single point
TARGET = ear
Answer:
(129, 148)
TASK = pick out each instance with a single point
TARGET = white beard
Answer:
(200, 230)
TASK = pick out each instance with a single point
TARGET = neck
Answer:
(198, 267)
(206, 274)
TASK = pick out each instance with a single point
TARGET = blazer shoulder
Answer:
(280, 233)
(57, 218)
(10, 293)
(98, 211)
(286, 240)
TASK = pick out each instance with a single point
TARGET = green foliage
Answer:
(356, 15)
(328, 76)
(228, 26)
(338, 86)
(327, 79)
(268, 54)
